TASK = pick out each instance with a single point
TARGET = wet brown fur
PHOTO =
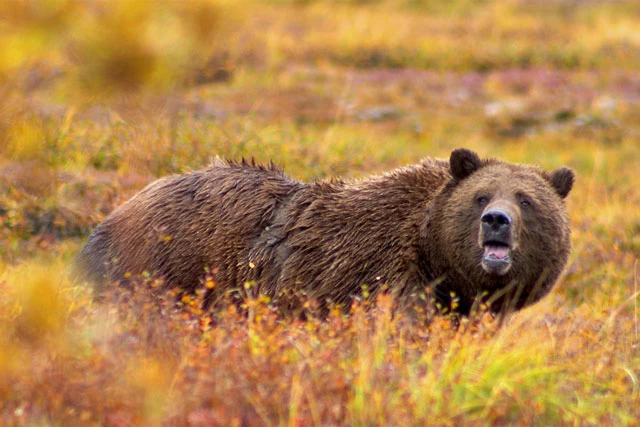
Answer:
(412, 229)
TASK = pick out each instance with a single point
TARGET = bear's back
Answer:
(179, 225)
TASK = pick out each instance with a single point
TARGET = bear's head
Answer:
(499, 230)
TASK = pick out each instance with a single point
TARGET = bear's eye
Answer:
(482, 200)
(525, 202)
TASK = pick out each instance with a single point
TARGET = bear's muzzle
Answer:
(496, 238)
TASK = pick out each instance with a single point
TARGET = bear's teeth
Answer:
(496, 251)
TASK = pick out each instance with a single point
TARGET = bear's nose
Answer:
(496, 220)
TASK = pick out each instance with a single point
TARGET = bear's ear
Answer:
(562, 180)
(463, 163)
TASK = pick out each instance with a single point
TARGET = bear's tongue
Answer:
(496, 251)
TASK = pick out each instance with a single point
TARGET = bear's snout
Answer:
(497, 221)
(497, 239)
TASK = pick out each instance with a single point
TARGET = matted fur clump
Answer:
(457, 230)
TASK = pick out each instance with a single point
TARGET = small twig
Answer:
(635, 291)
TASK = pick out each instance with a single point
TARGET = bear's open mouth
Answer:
(496, 258)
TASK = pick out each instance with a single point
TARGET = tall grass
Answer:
(99, 98)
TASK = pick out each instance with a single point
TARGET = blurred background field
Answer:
(99, 98)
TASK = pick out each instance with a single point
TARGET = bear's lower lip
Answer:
(496, 258)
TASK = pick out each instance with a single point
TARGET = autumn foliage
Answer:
(99, 98)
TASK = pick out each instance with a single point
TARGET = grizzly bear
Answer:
(465, 231)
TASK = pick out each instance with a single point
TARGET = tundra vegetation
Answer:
(99, 98)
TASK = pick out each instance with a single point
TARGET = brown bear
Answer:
(458, 229)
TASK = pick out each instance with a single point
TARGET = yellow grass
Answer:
(324, 89)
